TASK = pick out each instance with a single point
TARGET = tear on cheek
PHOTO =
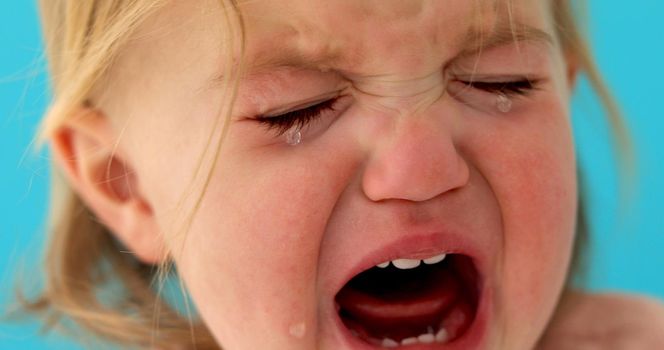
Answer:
(298, 330)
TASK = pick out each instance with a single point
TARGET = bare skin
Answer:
(586, 321)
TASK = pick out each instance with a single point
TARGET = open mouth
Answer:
(408, 302)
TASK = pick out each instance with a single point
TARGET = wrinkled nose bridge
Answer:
(405, 96)
(418, 160)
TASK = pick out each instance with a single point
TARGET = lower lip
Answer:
(474, 337)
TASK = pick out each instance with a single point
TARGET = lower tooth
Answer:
(409, 341)
(455, 320)
(442, 336)
(426, 338)
(389, 343)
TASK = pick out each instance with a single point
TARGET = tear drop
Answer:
(294, 136)
(298, 330)
(503, 103)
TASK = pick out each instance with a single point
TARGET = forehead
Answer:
(374, 36)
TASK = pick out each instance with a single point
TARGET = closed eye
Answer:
(298, 118)
(302, 117)
(517, 87)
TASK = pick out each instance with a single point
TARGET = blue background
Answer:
(626, 244)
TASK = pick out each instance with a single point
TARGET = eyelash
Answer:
(509, 88)
(302, 117)
(298, 118)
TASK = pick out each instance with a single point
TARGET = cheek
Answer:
(539, 230)
(256, 231)
(539, 212)
(529, 162)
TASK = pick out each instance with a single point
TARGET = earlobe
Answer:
(85, 146)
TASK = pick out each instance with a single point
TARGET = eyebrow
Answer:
(474, 41)
(504, 34)
(289, 56)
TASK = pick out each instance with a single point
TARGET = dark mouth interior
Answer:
(395, 304)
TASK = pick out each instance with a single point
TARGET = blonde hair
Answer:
(83, 258)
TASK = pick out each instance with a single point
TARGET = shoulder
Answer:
(606, 321)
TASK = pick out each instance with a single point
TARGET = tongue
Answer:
(408, 307)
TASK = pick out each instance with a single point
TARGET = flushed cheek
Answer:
(535, 185)
(264, 269)
(257, 232)
(538, 243)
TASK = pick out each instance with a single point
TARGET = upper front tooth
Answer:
(384, 265)
(406, 264)
(435, 259)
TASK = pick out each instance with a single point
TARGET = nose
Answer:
(418, 162)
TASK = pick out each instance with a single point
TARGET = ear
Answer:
(85, 147)
(572, 72)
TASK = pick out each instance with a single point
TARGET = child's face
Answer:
(408, 161)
